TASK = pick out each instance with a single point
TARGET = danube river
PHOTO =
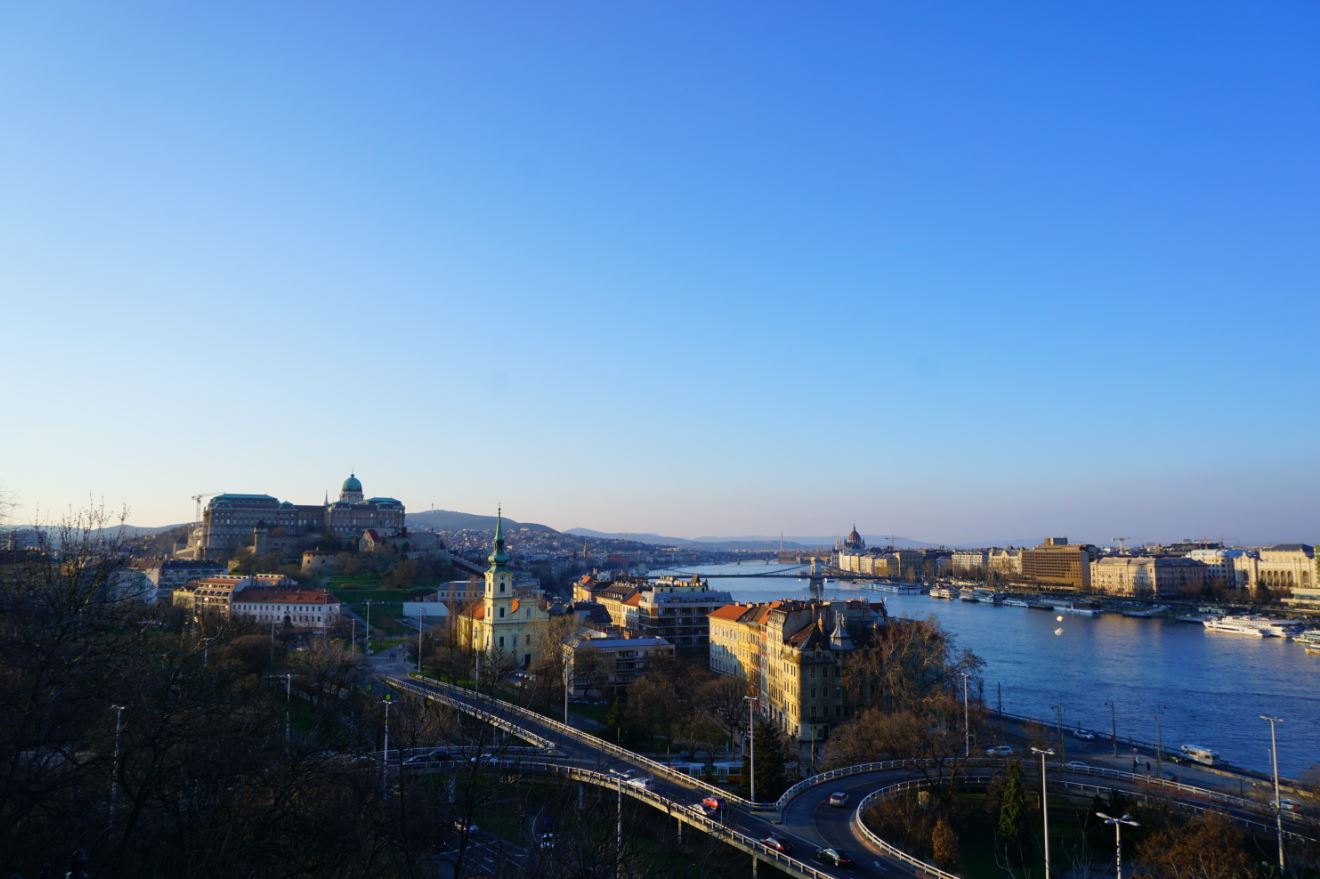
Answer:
(1209, 688)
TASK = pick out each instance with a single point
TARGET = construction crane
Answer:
(197, 499)
(1122, 544)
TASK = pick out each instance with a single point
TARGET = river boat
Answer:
(1313, 649)
(1309, 638)
(967, 594)
(943, 592)
(1145, 612)
(1081, 608)
(1014, 601)
(1257, 627)
(1041, 605)
(898, 588)
(989, 596)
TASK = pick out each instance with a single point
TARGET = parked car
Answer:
(1076, 764)
(839, 798)
(837, 857)
(778, 843)
(999, 751)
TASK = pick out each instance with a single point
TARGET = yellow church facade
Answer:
(510, 624)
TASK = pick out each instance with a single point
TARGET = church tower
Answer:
(500, 604)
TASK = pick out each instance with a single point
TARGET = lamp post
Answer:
(420, 626)
(1159, 744)
(1278, 804)
(366, 639)
(1058, 730)
(114, 766)
(1044, 803)
(967, 726)
(751, 744)
(566, 668)
(385, 752)
(1118, 839)
(1113, 727)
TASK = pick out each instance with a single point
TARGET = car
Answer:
(470, 828)
(1076, 764)
(999, 751)
(625, 774)
(778, 843)
(642, 781)
(839, 798)
(702, 810)
(1288, 805)
(837, 857)
(714, 804)
(1084, 734)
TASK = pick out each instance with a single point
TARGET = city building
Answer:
(1220, 566)
(792, 654)
(214, 595)
(1005, 563)
(511, 624)
(231, 521)
(314, 609)
(1058, 564)
(1147, 576)
(169, 574)
(1285, 567)
(969, 561)
(601, 666)
(678, 611)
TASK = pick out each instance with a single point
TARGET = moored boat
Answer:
(1144, 612)
(941, 592)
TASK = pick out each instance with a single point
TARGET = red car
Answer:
(777, 843)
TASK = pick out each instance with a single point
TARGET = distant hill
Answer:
(449, 520)
(752, 542)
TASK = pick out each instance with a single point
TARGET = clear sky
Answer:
(955, 271)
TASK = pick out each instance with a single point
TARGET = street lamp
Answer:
(1159, 743)
(1278, 804)
(1044, 803)
(566, 668)
(1058, 730)
(114, 767)
(288, 696)
(366, 639)
(1113, 727)
(1118, 840)
(385, 752)
(967, 726)
(751, 746)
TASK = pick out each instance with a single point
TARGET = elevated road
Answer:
(803, 815)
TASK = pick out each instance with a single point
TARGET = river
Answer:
(1209, 689)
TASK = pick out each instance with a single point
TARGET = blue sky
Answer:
(955, 271)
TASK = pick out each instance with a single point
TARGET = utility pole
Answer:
(366, 639)
(1159, 744)
(751, 744)
(1058, 730)
(566, 666)
(385, 752)
(1118, 839)
(1113, 727)
(1044, 803)
(1278, 803)
(967, 726)
(114, 767)
(288, 698)
(419, 645)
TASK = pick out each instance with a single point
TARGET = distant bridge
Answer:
(796, 572)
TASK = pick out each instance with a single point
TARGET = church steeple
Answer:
(498, 557)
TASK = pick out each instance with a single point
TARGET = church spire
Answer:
(498, 558)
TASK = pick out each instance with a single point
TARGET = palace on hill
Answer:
(234, 520)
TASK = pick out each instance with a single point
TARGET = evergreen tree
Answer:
(1012, 805)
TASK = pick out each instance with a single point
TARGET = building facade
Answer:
(1220, 566)
(1057, 564)
(969, 561)
(314, 609)
(230, 521)
(792, 655)
(598, 667)
(1148, 576)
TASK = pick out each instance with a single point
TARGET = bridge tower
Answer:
(816, 581)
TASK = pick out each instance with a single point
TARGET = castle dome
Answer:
(352, 483)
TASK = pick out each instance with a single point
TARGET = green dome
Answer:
(352, 483)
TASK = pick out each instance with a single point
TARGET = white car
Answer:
(642, 781)
(1076, 764)
(999, 751)
(1084, 734)
(839, 798)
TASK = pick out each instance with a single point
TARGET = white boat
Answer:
(967, 593)
(942, 592)
(1309, 638)
(1082, 608)
(1016, 602)
(1145, 612)
(1242, 625)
